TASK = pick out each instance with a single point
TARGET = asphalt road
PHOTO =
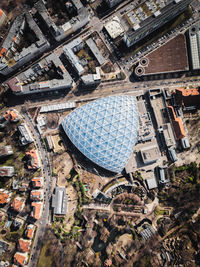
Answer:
(46, 173)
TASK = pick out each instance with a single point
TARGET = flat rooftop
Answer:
(169, 58)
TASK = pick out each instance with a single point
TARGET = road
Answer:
(46, 172)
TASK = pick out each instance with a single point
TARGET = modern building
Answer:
(194, 41)
(3, 18)
(37, 182)
(36, 210)
(24, 245)
(5, 151)
(163, 175)
(18, 204)
(59, 201)
(25, 136)
(114, 28)
(150, 154)
(33, 161)
(37, 195)
(7, 171)
(112, 3)
(105, 130)
(151, 183)
(145, 25)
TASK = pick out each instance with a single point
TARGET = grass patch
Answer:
(45, 259)
(161, 212)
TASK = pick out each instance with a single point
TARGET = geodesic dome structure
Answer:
(105, 130)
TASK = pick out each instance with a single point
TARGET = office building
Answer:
(145, 25)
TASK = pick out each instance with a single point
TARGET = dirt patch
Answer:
(52, 120)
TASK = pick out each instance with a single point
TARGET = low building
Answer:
(95, 51)
(20, 259)
(150, 154)
(10, 115)
(101, 197)
(7, 171)
(37, 182)
(25, 137)
(33, 161)
(147, 232)
(37, 210)
(92, 79)
(114, 28)
(37, 195)
(69, 50)
(24, 245)
(151, 183)
(177, 124)
(59, 201)
(185, 143)
(163, 175)
(30, 231)
(4, 246)
(18, 204)
(187, 98)
(5, 151)
(27, 82)
(4, 196)
(172, 154)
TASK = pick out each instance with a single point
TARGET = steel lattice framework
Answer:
(105, 130)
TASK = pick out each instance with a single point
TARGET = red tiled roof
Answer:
(29, 232)
(36, 182)
(32, 153)
(3, 198)
(189, 92)
(23, 245)
(36, 210)
(19, 258)
(10, 115)
(177, 124)
(17, 204)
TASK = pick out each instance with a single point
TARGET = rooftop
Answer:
(20, 258)
(37, 182)
(151, 183)
(170, 57)
(59, 201)
(5, 151)
(177, 124)
(30, 231)
(105, 130)
(150, 154)
(37, 210)
(18, 204)
(4, 197)
(24, 245)
(33, 162)
(7, 171)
